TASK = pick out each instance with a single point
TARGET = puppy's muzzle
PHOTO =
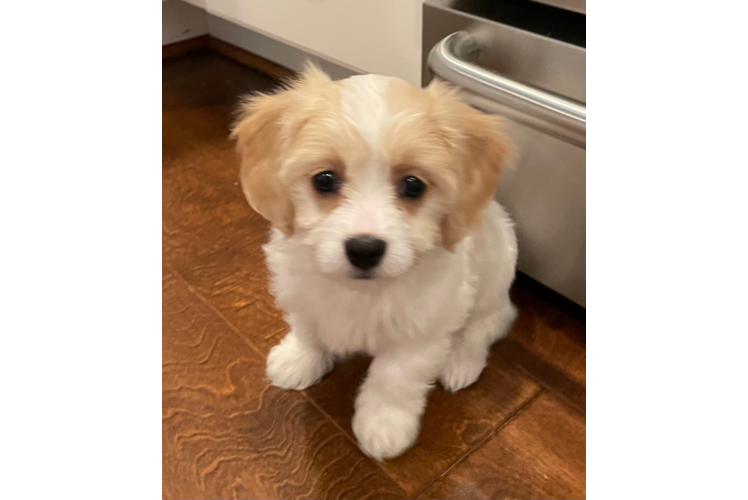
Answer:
(365, 252)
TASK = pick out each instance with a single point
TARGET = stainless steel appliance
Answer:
(525, 60)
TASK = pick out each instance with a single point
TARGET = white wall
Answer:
(361, 36)
(181, 21)
(272, 49)
(370, 36)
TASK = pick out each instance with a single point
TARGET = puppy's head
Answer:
(370, 172)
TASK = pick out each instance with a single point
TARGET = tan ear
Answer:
(258, 142)
(483, 151)
(262, 133)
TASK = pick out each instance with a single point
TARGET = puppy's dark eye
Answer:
(411, 187)
(326, 182)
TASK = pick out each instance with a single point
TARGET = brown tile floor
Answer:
(517, 433)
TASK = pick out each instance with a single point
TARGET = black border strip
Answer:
(667, 32)
(538, 18)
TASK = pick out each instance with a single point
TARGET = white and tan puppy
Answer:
(386, 239)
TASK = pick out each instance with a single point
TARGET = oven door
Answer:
(539, 84)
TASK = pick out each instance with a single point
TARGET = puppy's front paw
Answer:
(385, 431)
(293, 366)
(461, 370)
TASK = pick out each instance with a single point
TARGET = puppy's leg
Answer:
(299, 361)
(467, 358)
(393, 396)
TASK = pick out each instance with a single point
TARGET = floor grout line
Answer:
(480, 443)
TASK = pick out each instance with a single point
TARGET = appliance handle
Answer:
(494, 93)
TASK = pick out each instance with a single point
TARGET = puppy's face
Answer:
(370, 172)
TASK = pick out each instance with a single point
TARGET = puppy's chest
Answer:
(355, 322)
(348, 320)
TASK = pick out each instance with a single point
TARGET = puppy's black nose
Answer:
(365, 252)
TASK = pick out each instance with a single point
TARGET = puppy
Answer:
(386, 239)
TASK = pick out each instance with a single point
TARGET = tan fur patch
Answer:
(482, 149)
(281, 136)
(454, 147)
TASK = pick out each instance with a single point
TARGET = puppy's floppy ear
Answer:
(263, 132)
(258, 135)
(483, 148)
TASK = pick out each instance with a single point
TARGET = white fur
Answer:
(437, 321)
(428, 314)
